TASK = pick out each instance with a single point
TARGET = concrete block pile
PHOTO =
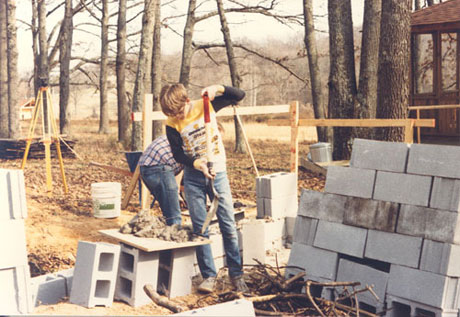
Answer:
(390, 220)
(15, 289)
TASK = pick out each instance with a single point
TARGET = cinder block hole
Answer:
(375, 264)
(102, 289)
(368, 308)
(424, 313)
(127, 262)
(106, 262)
(400, 310)
(164, 272)
(125, 287)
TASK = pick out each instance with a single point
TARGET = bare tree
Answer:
(4, 133)
(104, 106)
(187, 47)
(156, 69)
(342, 78)
(64, 66)
(319, 106)
(144, 55)
(13, 105)
(394, 61)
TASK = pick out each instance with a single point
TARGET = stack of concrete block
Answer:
(391, 219)
(15, 289)
(95, 274)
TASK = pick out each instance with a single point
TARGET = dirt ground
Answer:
(55, 224)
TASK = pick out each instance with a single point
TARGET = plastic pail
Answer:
(321, 152)
(106, 199)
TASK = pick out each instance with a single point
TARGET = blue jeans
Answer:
(161, 183)
(196, 187)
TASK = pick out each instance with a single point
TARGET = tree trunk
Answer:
(187, 48)
(156, 70)
(236, 79)
(366, 105)
(4, 112)
(104, 106)
(315, 76)
(43, 68)
(342, 78)
(394, 61)
(13, 82)
(144, 56)
(35, 46)
(123, 106)
(65, 50)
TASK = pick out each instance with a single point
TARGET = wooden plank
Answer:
(132, 185)
(334, 163)
(294, 137)
(428, 123)
(434, 107)
(150, 244)
(312, 167)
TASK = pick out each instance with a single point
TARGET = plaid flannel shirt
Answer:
(159, 153)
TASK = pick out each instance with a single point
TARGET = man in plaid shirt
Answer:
(158, 171)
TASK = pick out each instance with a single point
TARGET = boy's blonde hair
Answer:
(173, 99)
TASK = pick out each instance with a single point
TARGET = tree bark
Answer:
(35, 45)
(4, 112)
(65, 51)
(123, 107)
(156, 69)
(234, 74)
(187, 47)
(43, 68)
(394, 61)
(324, 133)
(342, 78)
(104, 106)
(144, 56)
(13, 104)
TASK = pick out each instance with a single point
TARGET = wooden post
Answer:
(418, 128)
(409, 131)
(294, 111)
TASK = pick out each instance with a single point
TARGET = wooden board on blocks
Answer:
(150, 244)
(321, 167)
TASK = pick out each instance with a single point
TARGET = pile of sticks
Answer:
(11, 149)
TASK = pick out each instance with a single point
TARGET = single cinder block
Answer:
(136, 268)
(350, 181)
(48, 289)
(260, 208)
(217, 245)
(366, 275)
(279, 185)
(323, 206)
(433, 224)
(239, 307)
(315, 261)
(371, 214)
(369, 153)
(424, 287)
(305, 230)
(434, 160)
(12, 244)
(12, 195)
(393, 248)
(259, 193)
(254, 242)
(15, 291)
(441, 258)
(95, 274)
(340, 238)
(445, 194)
(402, 188)
(281, 207)
(400, 307)
(181, 272)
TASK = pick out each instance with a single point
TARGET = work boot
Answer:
(207, 286)
(240, 284)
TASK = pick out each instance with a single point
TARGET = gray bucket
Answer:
(321, 152)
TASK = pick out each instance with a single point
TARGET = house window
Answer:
(423, 63)
(449, 61)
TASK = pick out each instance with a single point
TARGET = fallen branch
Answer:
(161, 300)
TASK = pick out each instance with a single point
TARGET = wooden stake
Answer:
(294, 110)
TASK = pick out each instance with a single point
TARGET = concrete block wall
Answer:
(394, 213)
(15, 290)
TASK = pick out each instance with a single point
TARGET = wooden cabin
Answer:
(435, 69)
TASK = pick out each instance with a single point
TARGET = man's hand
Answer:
(201, 165)
(213, 91)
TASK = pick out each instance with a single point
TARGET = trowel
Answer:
(209, 157)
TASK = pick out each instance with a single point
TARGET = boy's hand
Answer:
(213, 91)
(201, 165)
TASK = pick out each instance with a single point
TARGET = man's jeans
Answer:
(196, 187)
(161, 183)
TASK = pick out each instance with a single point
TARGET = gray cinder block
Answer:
(305, 230)
(260, 208)
(12, 195)
(12, 244)
(393, 248)
(398, 307)
(324, 206)
(433, 224)
(180, 283)
(379, 155)
(441, 258)
(239, 307)
(95, 274)
(371, 214)
(350, 271)
(445, 194)
(402, 188)
(314, 261)
(48, 289)
(279, 185)
(434, 160)
(254, 241)
(136, 268)
(16, 291)
(350, 181)
(424, 287)
(281, 207)
(340, 238)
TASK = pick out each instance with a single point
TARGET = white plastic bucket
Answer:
(106, 199)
